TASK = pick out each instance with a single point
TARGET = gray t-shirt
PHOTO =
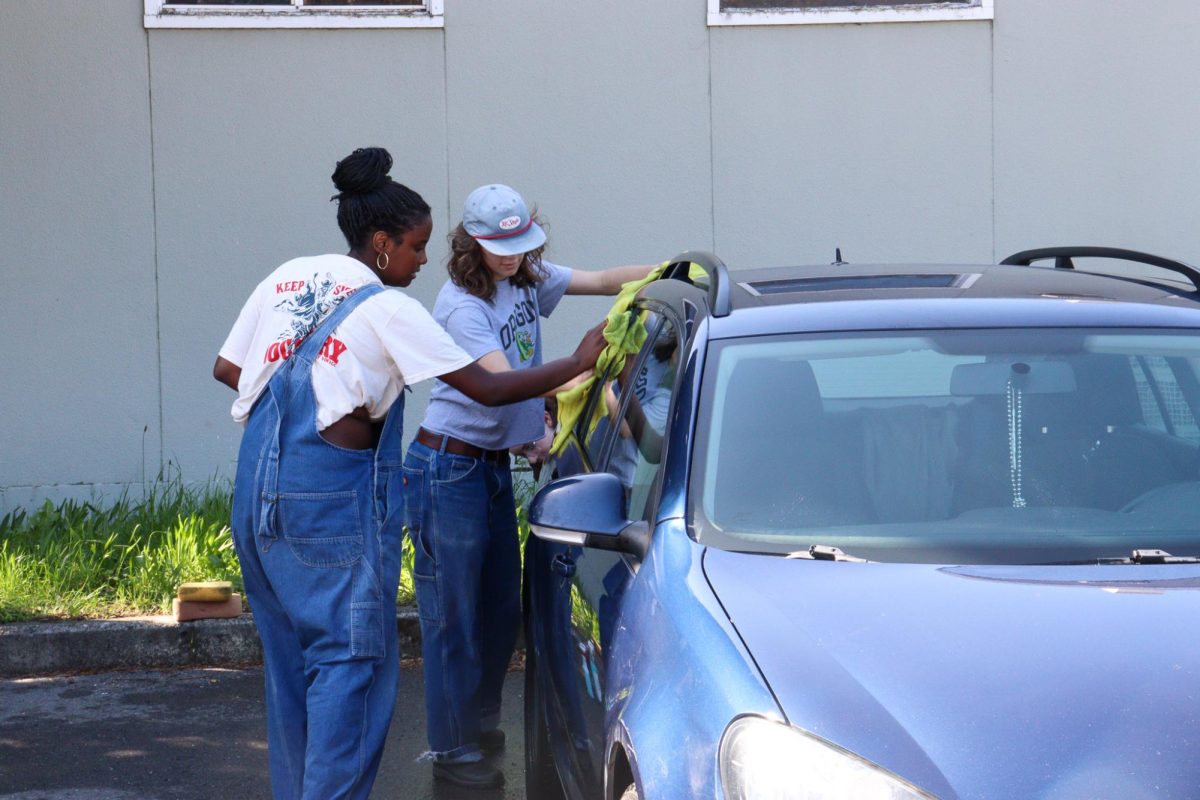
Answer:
(510, 324)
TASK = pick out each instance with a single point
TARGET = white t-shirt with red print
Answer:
(387, 342)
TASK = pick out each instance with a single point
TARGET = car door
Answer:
(627, 442)
(550, 567)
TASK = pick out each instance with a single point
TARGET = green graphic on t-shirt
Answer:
(524, 345)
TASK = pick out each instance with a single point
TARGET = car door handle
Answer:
(563, 565)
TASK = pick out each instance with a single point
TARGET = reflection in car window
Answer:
(1161, 397)
(644, 388)
(596, 438)
(1005, 446)
(916, 374)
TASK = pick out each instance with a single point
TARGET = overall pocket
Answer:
(425, 584)
(323, 529)
(366, 613)
(366, 630)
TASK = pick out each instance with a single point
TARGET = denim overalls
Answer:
(317, 529)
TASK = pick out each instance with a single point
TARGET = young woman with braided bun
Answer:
(320, 356)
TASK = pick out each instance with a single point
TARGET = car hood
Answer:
(984, 682)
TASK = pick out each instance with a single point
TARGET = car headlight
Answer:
(765, 760)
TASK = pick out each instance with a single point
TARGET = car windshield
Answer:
(975, 446)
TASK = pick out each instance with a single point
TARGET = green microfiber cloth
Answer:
(625, 332)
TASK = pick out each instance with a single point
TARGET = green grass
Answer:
(83, 559)
(78, 560)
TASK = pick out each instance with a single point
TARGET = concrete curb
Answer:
(47, 648)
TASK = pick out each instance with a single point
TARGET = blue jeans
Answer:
(317, 530)
(467, 575)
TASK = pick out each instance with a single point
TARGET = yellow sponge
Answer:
(205, 591)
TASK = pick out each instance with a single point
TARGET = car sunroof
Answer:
(917, 281)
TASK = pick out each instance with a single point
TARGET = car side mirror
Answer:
(588, 510)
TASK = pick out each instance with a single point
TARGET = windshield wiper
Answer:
(1137, 557)
(824, 552)
(1152, 557)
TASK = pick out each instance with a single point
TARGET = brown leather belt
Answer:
(458, 447)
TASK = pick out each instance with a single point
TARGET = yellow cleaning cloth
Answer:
(625, 332)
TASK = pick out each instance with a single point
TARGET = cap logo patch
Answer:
(508, 223)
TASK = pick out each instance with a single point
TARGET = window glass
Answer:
(973, 446)
(298, 3)
(798, 4)
(1150, 407)
(1160, 394)
(645, 398)
(598, 433)
(801, 12)
(914, 374)
(596, 421)
(291, 14)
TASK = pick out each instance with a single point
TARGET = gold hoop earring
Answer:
(386, 260)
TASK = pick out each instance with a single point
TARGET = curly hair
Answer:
(468, 270)
(369, 200)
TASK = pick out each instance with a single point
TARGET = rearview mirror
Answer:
(994, 377)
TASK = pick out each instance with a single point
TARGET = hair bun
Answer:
(365, 170)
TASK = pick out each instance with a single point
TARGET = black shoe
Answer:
(491, 741)
(472, 774)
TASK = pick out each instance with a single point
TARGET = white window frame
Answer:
(427, 14)
(850, 15)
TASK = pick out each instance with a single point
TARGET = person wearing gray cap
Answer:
(462, 517)
(320, 357)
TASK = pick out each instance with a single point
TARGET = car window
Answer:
(645, 388)
(1162, 399)
(602, 395)
(973, 446)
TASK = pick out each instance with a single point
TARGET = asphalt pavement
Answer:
(188, 733)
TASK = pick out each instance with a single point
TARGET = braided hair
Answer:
(369, 200)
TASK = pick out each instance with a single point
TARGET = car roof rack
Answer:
(720, 302)
(1063, 259)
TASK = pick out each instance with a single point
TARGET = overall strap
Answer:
(389, 450)
(315, 339)
(304, 353)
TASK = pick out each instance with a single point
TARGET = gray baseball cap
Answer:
(497, 217)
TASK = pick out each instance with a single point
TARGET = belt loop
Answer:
(445, 444)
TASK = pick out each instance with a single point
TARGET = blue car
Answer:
(879, 532)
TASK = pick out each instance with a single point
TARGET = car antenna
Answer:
(837, 257)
